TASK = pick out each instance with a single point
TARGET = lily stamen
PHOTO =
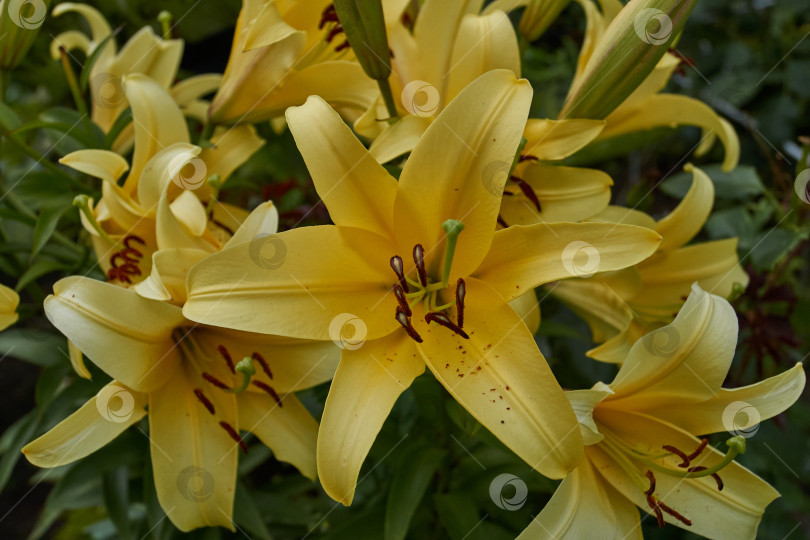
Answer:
(461, 292)
(405, 321)
(399, 269)
(527, 191)
(204, 400)
(657, 505)
(270, 390)
(443, 320)
(226, 355)
(402, 299)
(419, 260)
(262, 362)
(216, 382)
(234, 435)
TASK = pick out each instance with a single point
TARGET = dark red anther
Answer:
(527, 157)
(262, 362)
(343, 46)
(335, 31)
(678, 453)
(119, 274)
(501, 222)
(714, 475)
(131, 255)
(329, 15)
(131, 268)
(227, 356)
(399, 269)
(204, 400)
(674, 513)
(443, 320)
(699, 450)
(234, 435)
(216, 382)
(133, 238)
(402, 300)
(653, 504)
(419, 260)
(461, 292)
(527, 190)
(270, 390)
(405, 321)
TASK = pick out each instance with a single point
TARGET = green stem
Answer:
(388, 98)
(73, 84)
(15, 202)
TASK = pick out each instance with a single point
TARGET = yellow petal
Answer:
(127, 336)
(356, 189)
(99, 27)
(368, 382)
(500, 376)
(673, 110)
(182, 223)
(483, 43)
(146, 53)
(167, 281)
(603, 310)
(654, 83)
(399, 139)
(288, 430)
(734, 512)
(551, 140)
(108, 414)
(583, 402)
(738, 410)
(625, 216)
(157, 120)
(524, 257)
(435, 33)
(231, 148)
(177, 166)
(528, 310)
(585, 506)
(193, 88)
(104, 164)
(9, 300)
(263, 220)
(193, 457)
(77, 361)
(683, 223)
(683, 362)
(564, 193)
(309, 276)
(459, 167)
(69, 40)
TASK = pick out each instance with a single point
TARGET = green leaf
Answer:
(247, 515)
(36, 347)
(733, 222)
(115, 485)
(740, 183)
(8, 118)
(459, 517)
(411, 479)
(47, 221)
(48, 383)
(124, 119)
(24, 430)
(37, 270)
(770, 247)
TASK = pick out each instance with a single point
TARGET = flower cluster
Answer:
(449, 208)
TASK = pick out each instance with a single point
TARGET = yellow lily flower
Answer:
(451, 45)
(296, 50)
(9, 301)
(622, 306)
(190, 381)
(646, 108)
(641, 429)
(165, 201)
(144, 53)
(354, 274)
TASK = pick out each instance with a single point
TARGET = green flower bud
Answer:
(20, 21)
(538, 16)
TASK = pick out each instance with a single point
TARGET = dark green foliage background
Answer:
(432, 463)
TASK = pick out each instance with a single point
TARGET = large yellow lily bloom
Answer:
(354, 274)
(9, 300)
(640, 435)
(144, 53)
(622, 306)
(284, 51)
(181, 372)
(165, 197)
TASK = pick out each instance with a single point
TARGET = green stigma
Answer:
(453, 228)
(245, 367)
(165, 20)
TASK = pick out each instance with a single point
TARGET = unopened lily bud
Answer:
(20, 21)
(538, 16)
(626, 54)
(364, 25)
